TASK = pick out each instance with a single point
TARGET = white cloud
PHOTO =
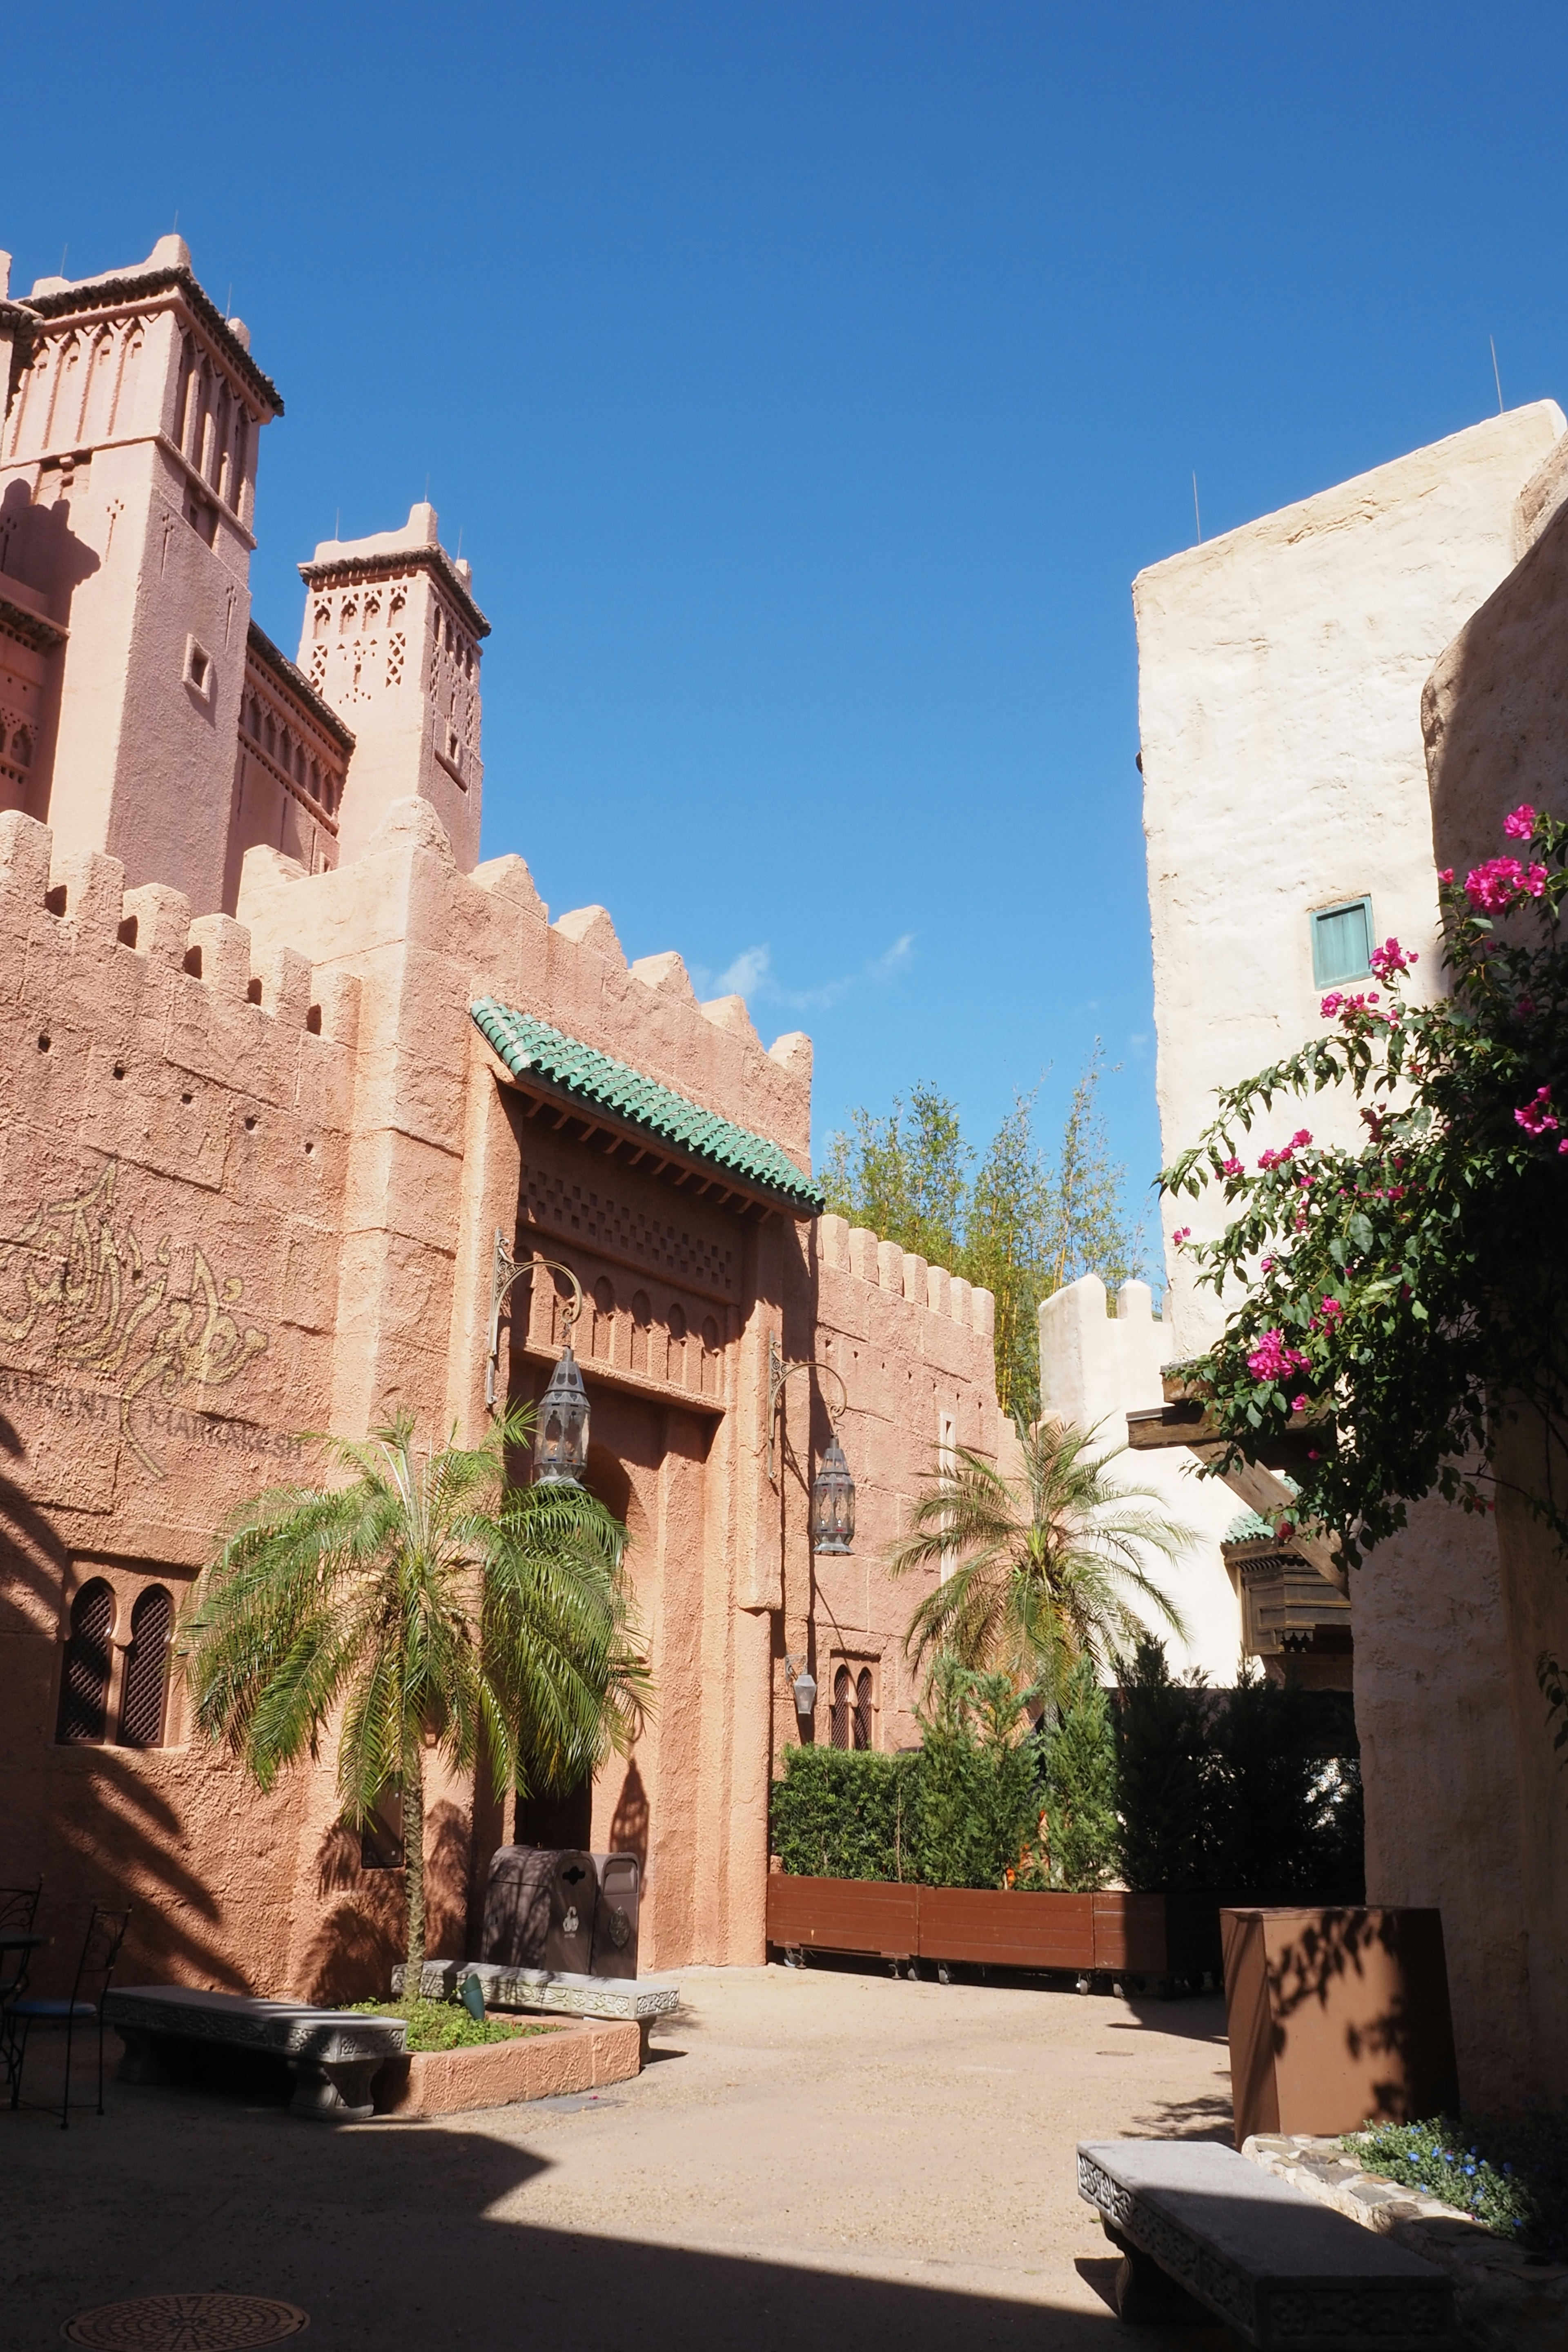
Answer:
(750, 975)
(747, 976)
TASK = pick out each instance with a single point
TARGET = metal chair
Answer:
(18, 1909)
(100, 1951)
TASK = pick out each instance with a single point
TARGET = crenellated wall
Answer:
(913, 1345)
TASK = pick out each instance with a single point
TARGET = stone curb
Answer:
(1507, 2301)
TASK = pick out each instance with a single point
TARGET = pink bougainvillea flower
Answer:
(1231, 1167)
(1183, 1233)
(1301, 1137)
(1271, 1358)
(1390, 960)
(1298, 1403)
(1268, 1267)
(1331, 1004)
(1520, 823)
(1526, 1007)
(1537, 1117)
(1501, 882)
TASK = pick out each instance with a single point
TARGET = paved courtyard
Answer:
(820, 2156)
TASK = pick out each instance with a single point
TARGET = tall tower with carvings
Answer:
(391, 641)
(127, 488)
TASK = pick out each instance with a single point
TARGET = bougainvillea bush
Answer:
(1404, 1296)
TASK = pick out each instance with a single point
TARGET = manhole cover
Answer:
(185, 2323)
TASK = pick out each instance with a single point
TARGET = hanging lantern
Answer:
(561, 1438)
(833, 1502)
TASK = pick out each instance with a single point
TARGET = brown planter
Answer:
(1109, 1931)
(1010, 1931)
(1337, 2018)
(570, 2056)
(844, 1915)
(1128, 1933)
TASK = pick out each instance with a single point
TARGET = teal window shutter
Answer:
(1342, 942)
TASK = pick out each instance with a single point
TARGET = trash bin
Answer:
(574, 1901)
(516, 1927)
(616, 1923)
(1336, 2018)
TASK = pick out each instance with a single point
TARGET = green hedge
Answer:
(968, 1807)
(1244, 1795)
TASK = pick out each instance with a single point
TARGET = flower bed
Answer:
(446, 2024)
(532, 2062)
(1509, 2299)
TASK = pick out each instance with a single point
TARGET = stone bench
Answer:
(332, 2055)
(1197, 2221)
(640, 1999)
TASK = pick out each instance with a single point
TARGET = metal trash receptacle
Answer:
(574, 1902)
(516, 1926)
(616, 1925)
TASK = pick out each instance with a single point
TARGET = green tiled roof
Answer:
(1247, 1526)
(531, 1048)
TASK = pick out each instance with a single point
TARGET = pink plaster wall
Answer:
(280, 1127)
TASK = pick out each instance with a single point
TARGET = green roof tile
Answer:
(531, 1048)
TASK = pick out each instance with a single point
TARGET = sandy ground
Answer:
(810, 2154)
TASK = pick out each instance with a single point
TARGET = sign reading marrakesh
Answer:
(116, 1316)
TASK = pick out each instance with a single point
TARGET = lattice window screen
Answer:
(84, 1685)
(147, 1670)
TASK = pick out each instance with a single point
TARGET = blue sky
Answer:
(807, 384)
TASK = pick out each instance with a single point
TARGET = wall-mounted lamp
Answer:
(561, 1435)
(804, 1685)
(833, 1488)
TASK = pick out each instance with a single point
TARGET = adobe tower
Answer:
(127, 485)
(391, 642)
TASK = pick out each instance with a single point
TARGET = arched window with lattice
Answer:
(84, 1682)
(865, 1710)
(843, 1707)
(147, 1670)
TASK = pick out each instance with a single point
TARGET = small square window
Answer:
(1342, 942)
(198, 669)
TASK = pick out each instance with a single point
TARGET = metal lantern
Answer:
(833, 1503)
(561, 1440)
(804, 1695)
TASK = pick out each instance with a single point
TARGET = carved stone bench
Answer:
(554, 1991)
(332, 2056)
(1196, 2223)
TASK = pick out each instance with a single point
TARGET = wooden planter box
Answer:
(845, 1915)
(575, 2056)
(1104, 1932)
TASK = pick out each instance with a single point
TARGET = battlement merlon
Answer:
(856, 1251)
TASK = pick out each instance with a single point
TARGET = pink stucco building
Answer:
(282, 1060)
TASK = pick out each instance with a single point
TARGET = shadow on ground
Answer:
(389, 2237)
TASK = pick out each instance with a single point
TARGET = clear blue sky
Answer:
(808, 383)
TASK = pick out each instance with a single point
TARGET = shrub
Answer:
(980, 1794)
(446, 2025)
(1084, 1837)
(1248, 1795)
(837, 1814)
(1510, 2172)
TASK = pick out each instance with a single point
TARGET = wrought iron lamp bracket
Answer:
(780, 1370)
(505, 1270)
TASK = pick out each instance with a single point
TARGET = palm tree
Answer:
(420, 1600)
(1039, 1572)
